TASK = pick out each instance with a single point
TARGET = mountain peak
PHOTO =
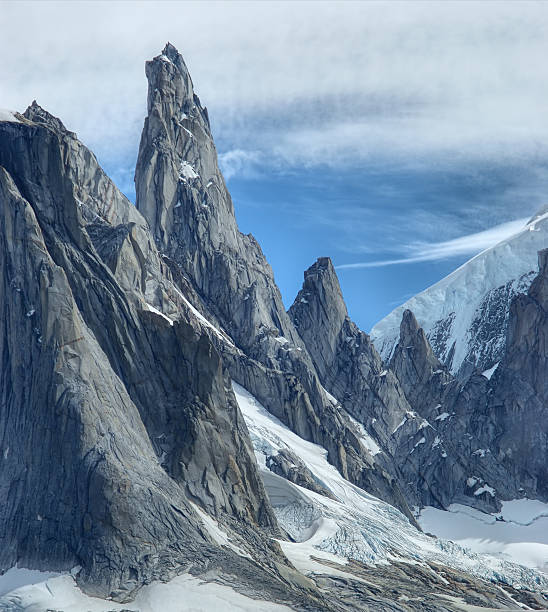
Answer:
(413, 338)
(414, 362)
(409, 324)
(319, 311)
(37, 114)
(322, 263)
(169, 79)
(322, 284)
(177, 138)
(170, 51)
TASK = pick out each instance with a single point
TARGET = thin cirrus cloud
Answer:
(470, 244)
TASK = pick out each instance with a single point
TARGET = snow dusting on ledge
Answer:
(6, 115)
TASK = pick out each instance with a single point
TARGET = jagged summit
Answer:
(413, 361)
(38, 114)
(172, 52)
(412, 337)
(171, 77)
(319, 312)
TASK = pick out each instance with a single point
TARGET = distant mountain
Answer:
(465, 315)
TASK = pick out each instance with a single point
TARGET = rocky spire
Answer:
(37, 114)
(319, 313)
(181, 192)
(419, 371)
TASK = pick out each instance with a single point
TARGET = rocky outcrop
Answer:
(422, 375)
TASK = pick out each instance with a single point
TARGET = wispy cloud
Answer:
(470, 244)
(240, 162)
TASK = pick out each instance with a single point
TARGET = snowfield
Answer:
(355, 525)
(184, 593)
(518, 533)
(448, 310)
(7, 115)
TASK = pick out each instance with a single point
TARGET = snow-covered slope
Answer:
(7, 115)
(184, 593)
(353, 525)
(518, 533)
(465, 315)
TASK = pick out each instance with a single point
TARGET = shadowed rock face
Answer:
(519, 387)
(446, 457)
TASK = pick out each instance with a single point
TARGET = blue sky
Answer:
(399, 139)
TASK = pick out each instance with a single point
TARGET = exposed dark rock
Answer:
(518, 400)
(289, 466)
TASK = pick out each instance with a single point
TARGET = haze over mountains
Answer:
(163, 417)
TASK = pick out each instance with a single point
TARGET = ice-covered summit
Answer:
(465, 315)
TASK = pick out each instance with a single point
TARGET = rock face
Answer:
(465, 315)
(118, 426)
(519, 396)
(447, 457)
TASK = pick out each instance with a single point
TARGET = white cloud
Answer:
(470, 244)
(302, 83)
(239, 162)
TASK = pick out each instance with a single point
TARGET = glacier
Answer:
(354, 525)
